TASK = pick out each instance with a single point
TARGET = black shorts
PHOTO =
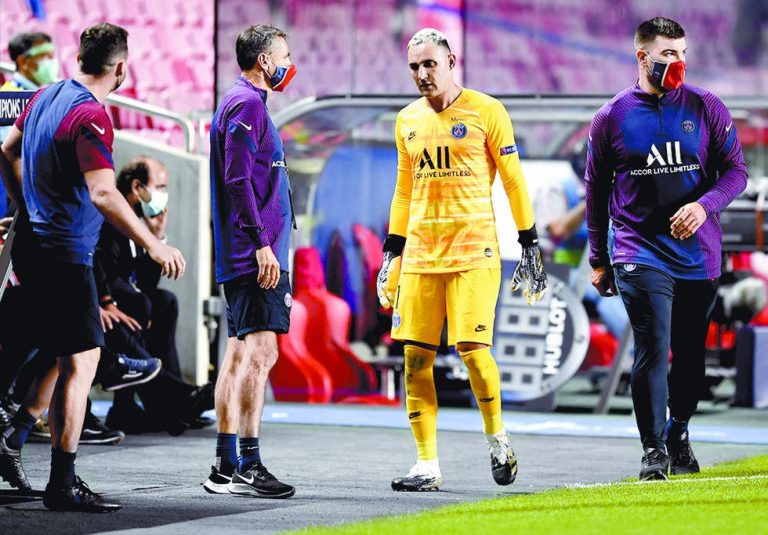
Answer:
(250, 308)
(65, 303)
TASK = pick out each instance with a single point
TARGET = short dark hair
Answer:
(22, 42)
(254, 41)
(101, 47)
(136, 169)
(650, 29)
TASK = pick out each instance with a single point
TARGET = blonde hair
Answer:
(429, 35)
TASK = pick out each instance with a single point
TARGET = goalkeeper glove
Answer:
(531, 268)
(389, 274)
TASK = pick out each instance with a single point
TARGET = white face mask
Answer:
(157, 203)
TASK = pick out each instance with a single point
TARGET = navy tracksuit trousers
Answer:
(665, 313)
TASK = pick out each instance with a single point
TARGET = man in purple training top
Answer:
(67, 189)
(252, 216)
(663, 161)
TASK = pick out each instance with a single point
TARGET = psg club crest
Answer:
(687, 126)
(459, 130)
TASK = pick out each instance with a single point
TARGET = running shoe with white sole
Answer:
(257, 481)
(218, 482)
(423, 476)
(95, 432)
(127, 372)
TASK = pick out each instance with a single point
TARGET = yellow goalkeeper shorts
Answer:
(467, 299)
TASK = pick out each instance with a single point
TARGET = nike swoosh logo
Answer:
(131, 375)
(246, 126)
(99, 130)
(728, 128)
(246, 480)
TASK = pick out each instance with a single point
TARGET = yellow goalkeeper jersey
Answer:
(447, 163)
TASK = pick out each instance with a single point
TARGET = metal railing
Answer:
(544, 108)
(187, 126)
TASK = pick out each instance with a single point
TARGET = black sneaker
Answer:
(79, 498)
(218, 482)
(423, 476)
(655, 464)
(257, 481)
(130, 372)
(95, 432)
(11, 469)
(681, 455)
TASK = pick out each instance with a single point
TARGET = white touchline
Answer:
(675, 480)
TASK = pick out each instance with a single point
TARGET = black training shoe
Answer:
(681, 455)
(503, 460)
(257, 481)
(218, 482)
(655, 464)
(130, 372)
(78, 498)
(95, 432)
(423, 476)
(11, 469)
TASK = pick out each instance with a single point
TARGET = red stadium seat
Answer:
(326, 340)
(296, 375)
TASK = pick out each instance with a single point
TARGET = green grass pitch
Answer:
(731, 498)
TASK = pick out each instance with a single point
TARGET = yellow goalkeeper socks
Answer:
(484, 379)
(421, 400)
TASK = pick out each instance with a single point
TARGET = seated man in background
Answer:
(147, 315)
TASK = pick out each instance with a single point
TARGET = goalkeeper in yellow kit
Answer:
(441, 258)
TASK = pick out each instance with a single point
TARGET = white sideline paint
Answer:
(668, 481)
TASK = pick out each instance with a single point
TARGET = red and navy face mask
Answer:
(283, 75)
(667, 76)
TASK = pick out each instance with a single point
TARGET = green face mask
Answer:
(47, 71)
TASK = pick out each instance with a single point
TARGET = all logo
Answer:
(673, 155)
(459, 130)
(442, 159)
